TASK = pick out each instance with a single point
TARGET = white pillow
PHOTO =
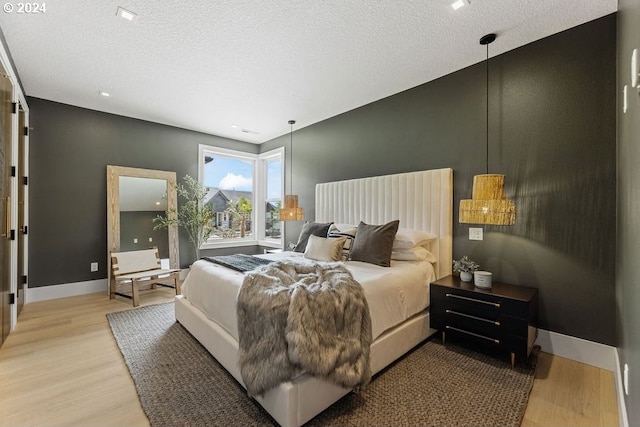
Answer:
(407, 238)
(322, 249)
(418, 253)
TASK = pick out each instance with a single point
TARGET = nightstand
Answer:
(503, 318)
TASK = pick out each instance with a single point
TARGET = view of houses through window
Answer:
(244, 193)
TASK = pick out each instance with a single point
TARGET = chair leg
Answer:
(178, 284)
(135, 294)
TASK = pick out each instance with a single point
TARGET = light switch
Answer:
(475, 233)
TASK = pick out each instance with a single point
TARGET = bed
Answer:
(421, 201)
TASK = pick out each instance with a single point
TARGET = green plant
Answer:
(465, 264)
(194, 216)
(240, 211)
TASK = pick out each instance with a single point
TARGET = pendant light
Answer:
(291, 211)
(488, 204)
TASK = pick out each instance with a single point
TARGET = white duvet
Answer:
(393, 293)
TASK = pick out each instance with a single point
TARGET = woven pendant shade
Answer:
(291, 211)
(488, 205)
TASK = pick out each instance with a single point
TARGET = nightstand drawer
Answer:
(479, 302)
(465, 304)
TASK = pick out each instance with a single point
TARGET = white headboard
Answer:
(420, 200)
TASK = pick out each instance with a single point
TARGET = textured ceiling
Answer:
(206, 65)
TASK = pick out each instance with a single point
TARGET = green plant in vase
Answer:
(465, 266)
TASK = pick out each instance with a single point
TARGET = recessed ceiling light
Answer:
(105, 94)
(457, 4)
(235, 126)
(126, 14)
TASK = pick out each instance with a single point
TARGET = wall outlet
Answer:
(150, 239)
(475, 233)
(94, 267)
(625, 380)
(135, 240)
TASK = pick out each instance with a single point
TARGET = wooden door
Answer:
(6, 110)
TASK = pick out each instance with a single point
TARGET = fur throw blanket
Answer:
(311, 317)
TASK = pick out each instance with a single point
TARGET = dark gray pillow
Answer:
(373, 243)
(309, 228)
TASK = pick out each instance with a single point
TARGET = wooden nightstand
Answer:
(504, 317)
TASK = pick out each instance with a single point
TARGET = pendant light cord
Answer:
(486, 40)
(487, 62)
(291, 123)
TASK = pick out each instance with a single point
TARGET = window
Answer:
(244, 192)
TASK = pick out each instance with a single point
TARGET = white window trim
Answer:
(259, 194)
(262, 195)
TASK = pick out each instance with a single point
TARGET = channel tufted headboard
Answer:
(420, 200)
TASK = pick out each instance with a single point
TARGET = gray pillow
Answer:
(309, 228)
(373, 243)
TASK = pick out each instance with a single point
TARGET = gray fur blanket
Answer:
(311, 317)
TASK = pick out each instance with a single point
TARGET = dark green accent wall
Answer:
(70, 148)
(628, 273)
(552, 131)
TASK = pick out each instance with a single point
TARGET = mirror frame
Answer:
(113, 208)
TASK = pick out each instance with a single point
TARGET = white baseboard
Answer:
(44, 293)
(622, 406)
(590, 352)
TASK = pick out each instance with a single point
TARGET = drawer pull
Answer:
(495, 304)
(495, 322)
(473, 334)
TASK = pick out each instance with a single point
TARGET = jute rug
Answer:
(181, 384)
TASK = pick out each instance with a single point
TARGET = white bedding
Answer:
(394, 293)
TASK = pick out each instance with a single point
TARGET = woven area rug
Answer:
(181, 384)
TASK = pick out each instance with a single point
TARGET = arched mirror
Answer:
(134, 197)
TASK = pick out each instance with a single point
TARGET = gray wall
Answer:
(552, 132)
(628, 274)
(70, 148)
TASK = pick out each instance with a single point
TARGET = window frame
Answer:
(259, 184)
(263, 158)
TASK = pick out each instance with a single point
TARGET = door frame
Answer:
(22, 237)
(19, 99)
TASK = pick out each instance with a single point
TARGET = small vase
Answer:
(465, 276)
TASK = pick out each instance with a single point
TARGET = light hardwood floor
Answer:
(62, 367)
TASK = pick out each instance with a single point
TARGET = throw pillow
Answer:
(323, 249)
(337, 231)
(309, 228)
(373, 243)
